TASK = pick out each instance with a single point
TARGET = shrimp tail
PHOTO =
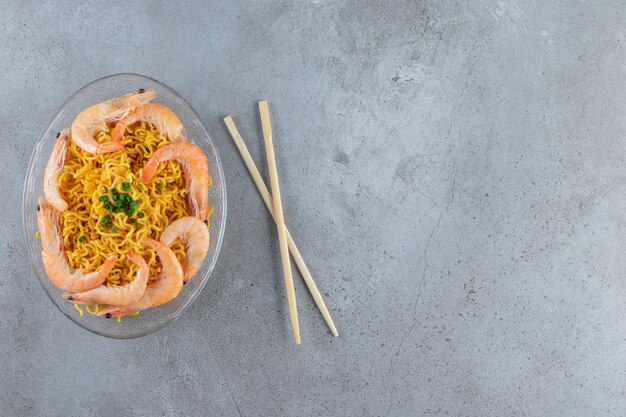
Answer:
(149, 170)
(90, 281)
(118, 132)
(108, 265)
(151, 243)
(110, 146)
(136, 258)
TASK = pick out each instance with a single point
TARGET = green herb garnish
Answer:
(159, 187)
(82, 239)
(122, 203)
(140, 214)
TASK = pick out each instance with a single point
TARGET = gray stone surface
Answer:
(453, 172)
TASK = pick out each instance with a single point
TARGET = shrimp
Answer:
(53, 169)
(195, 167)
(94, 119)
(117, 295)
(165, 289)
(195, 234)
(59, 272)
(162, 117)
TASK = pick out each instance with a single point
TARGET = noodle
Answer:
(91, 232)
(95, 310)
(80, 310)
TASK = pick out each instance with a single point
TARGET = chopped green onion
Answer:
(126, 186)
(108, 206)
(113, 191)
(116, 197)
(114, 229)
(133, 204)
(168, 183)
(82, 239)
(140, 214)
(106, 219)
(159, 187)
(104, 198)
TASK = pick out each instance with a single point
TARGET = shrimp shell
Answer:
(162, 117)
(53, 169)
(94, 119)
(117, 295)
(165, 289)
(195, 234)
(195, 167)
(59, 272)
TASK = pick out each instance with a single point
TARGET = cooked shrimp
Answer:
(195, 167)
(162, 117)
(60, 273)
(94, 119)
(117, 295)
(165, 289)
(53, 169)
(195, 235)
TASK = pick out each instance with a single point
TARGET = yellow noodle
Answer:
(95, 310)
(86, 177)
(80, 310)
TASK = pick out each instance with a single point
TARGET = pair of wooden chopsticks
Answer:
(274, 205)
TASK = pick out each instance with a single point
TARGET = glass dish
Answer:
(105, 88)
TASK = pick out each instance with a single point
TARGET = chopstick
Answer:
(267, 198)
(279, 218)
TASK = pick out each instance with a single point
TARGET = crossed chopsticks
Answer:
(274, 205)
